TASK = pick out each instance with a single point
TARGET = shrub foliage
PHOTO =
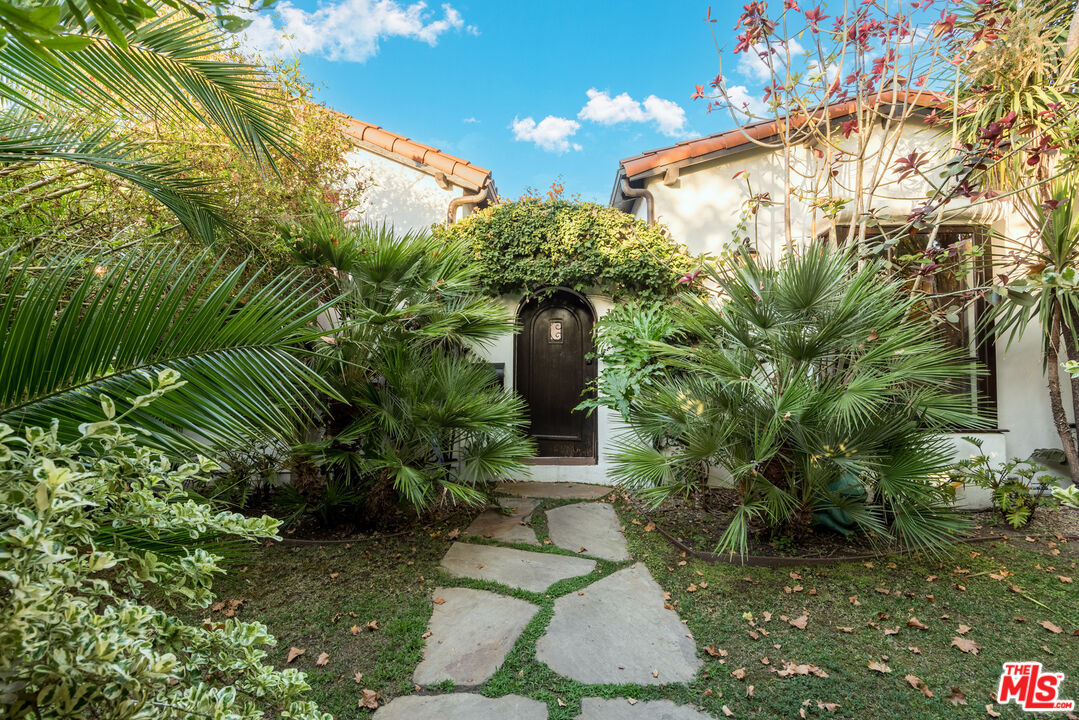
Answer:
(89, 530)
(529, 244)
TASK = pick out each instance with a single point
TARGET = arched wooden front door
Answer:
(553, 373)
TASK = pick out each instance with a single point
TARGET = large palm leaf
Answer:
(71, 331)
(25, 138)
(170, 63)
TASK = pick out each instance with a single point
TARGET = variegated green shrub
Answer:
(88, 532)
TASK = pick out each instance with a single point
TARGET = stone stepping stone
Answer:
(533, 571)
(555, 490)
(462, 706)
(617, 631)
(619, 709)
(592, 526)
(471, 633)
(507, 528)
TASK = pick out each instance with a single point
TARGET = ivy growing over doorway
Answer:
(530, 244)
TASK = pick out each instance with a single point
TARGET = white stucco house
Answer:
(411, 185)
(699, 187)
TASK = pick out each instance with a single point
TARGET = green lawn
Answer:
(312, 596)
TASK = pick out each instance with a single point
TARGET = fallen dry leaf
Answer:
(892, 631)
(878, 666)
(967, 646)
(561, 702)
(369, 699)
(1055, 629)
(356, 629)
(294, 653)
(322, 659)
(727, 711)
(739, 674)
(373, 625)
(916, 683)
(655, 673)
(358, 677)
(691, 588)
(962, 629)
(992, 713)
(916, 623)
(650, 527)
(914, 650)
(844, 629)
(800, 622)
(631, 701)
(715, 652)
(439, 600)
(957, 697)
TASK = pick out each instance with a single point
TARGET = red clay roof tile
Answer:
(458, 171)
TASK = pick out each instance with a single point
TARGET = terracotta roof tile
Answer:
(458, 171)
(729, 139)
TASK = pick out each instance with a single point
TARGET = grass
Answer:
(306, 594)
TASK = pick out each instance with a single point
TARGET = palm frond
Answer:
(25, 138)
(72, 332)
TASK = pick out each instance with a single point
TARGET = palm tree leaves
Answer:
(25, 138)
(802, 374)
(72, 331)
(155, 63)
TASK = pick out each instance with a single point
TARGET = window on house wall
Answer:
(944, 291)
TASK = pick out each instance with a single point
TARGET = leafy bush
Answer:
(1011, 483)
(818, 390)
(78, 638)
(424, 420)
(530, 244)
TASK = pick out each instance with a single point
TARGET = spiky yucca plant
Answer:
(425, 421)
(815, 386)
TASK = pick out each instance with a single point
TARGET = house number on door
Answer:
(555, 334)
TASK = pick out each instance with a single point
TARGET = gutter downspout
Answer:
(476, 199)
(649, 201)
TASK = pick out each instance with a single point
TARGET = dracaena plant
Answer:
(78, 636)
(815, 387)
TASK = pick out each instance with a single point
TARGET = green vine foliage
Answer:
(530, 244)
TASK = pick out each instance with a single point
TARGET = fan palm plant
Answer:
(426, 421)
(817, 389)
(73, 332)
(70, 98)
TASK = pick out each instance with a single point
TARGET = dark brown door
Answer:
(554, 372)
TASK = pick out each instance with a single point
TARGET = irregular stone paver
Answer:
(616, 630)
(462, 706)
(471, 632)
(517, 568)
(555, 490)
(507, 528)
(593, 526)
(619, 709)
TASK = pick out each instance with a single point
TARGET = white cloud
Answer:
(753, 63)
(551, 133)
(669, 117)
(470, 120)
(745, 103)
(347, 30)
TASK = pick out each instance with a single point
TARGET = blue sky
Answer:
(467, 76)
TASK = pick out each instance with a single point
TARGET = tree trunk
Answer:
(1056, 403)
(1073, 34)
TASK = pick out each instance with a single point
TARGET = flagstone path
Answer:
(615, 630)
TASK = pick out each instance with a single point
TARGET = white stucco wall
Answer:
(703, 205)
(501, 351)
(402, 196)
